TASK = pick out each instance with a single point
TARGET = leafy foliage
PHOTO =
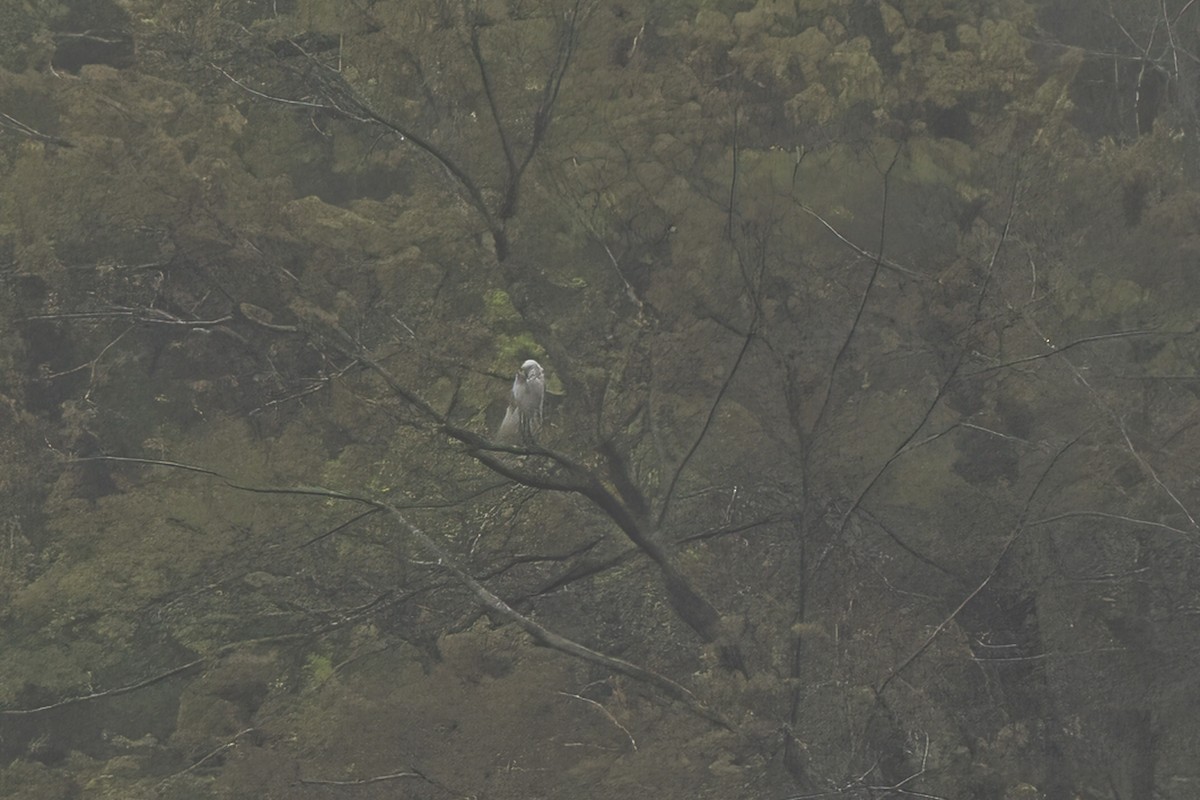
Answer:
(868, 457)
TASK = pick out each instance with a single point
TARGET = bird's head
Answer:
(531, 369)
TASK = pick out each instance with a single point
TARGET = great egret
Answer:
(523, 419)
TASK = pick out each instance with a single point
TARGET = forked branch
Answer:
(446, 560)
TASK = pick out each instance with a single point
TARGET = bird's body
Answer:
(523, 420)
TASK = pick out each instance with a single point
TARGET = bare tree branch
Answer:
(991, 267)
(823, 408)
(703, 432)
(878, 258)
(540, 633)
(362, 781)
(117, 692)
(691, 606)
(1019, 527)
(1057, 350)
(162, 676)
(16, 126)
(343, 101)
(485, 79)
(1145, 523)
(607, 714)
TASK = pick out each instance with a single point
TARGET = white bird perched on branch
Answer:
(523, 419)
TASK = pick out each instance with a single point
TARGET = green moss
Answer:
(317, 670)
(498, 308)
(518, 347)
(513, 343)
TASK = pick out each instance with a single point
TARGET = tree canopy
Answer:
(870, 349)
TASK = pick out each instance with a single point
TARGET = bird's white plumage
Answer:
(523, 419)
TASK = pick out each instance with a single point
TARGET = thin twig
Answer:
(1057, 350)
(733, 177)
(275, 98)
(1146, 523)
(991, 268)
(362, 781)
(162, 676)
(1119, 423)
(902, 449)
(15, 125)
(140, 315)
(703, 432)
(607, 714)
(878, 259)
(214, 753)
(91, 366)
(117, 692)
(886, 263)
(1018, 528)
